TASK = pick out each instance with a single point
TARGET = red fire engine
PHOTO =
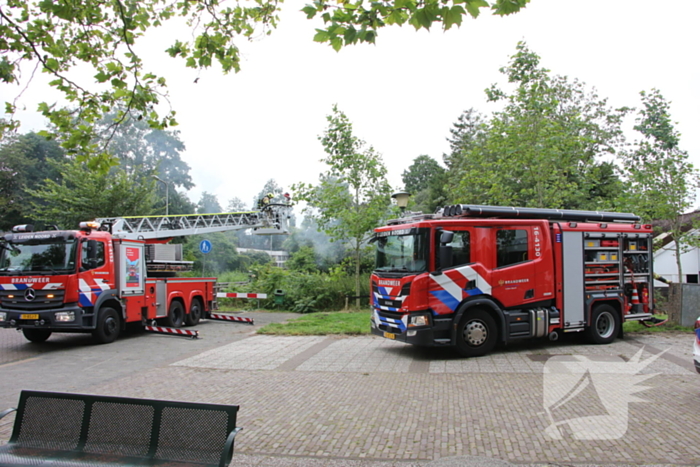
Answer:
(112, 272)
(475, 276)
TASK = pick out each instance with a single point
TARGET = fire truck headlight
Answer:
(3, 316)
(65, 316)
(418, 320)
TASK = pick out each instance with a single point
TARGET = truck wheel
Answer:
(176, 315)
(195, 312)
(605, 324)
(36, 335)
(476, 333)
(108, 326)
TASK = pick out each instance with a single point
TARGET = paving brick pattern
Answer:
(427, 416)
(254, 353)
(320, 400)
(362, 355)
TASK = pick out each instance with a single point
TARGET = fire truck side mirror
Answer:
(90, 254)
(91, 249)
(445, 255)
(446, 237)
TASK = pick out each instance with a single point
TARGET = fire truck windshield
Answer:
(402, 251)
(54, 256)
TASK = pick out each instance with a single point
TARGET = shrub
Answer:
(304, 292)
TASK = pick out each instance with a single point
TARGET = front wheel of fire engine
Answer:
(605, 324)
(176, 315)
(476, 333)
(195, 313)
(36, 335)
(108, 326)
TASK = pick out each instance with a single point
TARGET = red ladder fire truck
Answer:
(473, 276)
(112, 272)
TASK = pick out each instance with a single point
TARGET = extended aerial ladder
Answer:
(273, 219)
(164, 259)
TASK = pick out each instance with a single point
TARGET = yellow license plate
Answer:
(28, 316)
(389, 335)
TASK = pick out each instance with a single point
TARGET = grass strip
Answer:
(636, 326)
(322, 324)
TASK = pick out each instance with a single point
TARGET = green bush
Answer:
(234, 276)
(303, 260)
(304, 292)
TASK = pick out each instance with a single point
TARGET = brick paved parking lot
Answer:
(366, 400)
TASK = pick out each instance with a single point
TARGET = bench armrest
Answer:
(227, 454)
(7, 412)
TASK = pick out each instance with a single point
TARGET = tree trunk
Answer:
(678, 260)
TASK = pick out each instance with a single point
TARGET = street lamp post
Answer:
(167, 185)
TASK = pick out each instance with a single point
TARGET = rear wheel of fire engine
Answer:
(176, 315)
(108, 326)
(36, 335)
(476, 333)
(605, 324)
(195, 313)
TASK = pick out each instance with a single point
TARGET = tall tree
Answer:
(208, 204)
(104, 39)
(466, 134)
(545, 148)
(178, 202)
(661, 181)
(84, 194)
(352, 196)
(235, 204)
(24, 165)
(143, 150)
(419, 174)
(424, 179)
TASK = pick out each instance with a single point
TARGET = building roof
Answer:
(663, 237)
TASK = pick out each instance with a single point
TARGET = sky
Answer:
(404, 93)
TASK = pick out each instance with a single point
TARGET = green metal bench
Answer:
(71, 430)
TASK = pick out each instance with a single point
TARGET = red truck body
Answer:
(114, 271)
(502, 274)
(77, 281)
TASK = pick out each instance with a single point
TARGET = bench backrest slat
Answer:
(120, 426)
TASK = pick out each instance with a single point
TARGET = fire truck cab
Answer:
(475, 276)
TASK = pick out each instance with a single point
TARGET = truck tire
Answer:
(108, 326)
(476, 334)
(176, 315)
(195, 313)
(605, 324)
(36, 335)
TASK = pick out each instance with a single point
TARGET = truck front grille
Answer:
(389, 303)
(43, 300)
(390, 322)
